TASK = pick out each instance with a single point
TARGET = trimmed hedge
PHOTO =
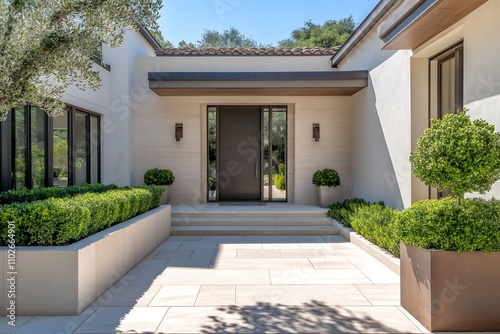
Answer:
(343, 211)
(61, 221)
(38, 194)
(378, 224)
(444, 224)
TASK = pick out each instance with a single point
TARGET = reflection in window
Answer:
(266, 154)
(19, 141)
(38, 136)
(212, 154)
(447, 86)
(67, 145)
(60, 150)
(81, 151)
(278, 154)
(94, 149)
(275, 146)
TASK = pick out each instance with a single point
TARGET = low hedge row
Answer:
(30, 195)
(378, 224)
(61, 221)
(473, 225)
(343, 211)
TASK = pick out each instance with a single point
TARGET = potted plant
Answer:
(162, 178)
(327, 181)
(450, 247)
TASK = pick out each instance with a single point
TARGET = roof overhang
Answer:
(343, 83)
(415, 22)
(150, 39)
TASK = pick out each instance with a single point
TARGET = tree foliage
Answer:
(329, 34)
(157, 34)
(231, 38)
(46, 45)
(458, 154)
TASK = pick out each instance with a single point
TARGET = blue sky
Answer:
(267, 21)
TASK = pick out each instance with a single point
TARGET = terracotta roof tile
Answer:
(247, 52)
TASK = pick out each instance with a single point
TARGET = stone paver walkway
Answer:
(244, 284)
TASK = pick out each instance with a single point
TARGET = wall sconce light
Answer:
(179, 132)
(316, 131)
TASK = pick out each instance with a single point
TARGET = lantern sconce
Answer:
(316, 131)
(179, 131)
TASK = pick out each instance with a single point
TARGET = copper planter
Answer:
(447, 291)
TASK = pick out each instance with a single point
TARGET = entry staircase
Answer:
(245, 219)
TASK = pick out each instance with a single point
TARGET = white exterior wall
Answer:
(482, 67)
(479, 32)
(155, 118)
(114, 100)
(381, 124)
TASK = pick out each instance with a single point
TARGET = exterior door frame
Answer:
(262, 134)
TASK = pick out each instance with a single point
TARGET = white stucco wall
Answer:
(482, 67)
(381, 124)
(479, 32)
(155, 118)
(114, 101)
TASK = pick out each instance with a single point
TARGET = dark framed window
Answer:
(41, 151)
(447, 85)
(450, 80)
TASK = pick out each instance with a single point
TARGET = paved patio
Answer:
(238, 284)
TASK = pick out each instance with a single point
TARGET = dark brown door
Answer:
(239, 153)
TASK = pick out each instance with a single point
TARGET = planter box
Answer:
(328, 195)
(64, 280)
(447, 291)
(165, 197)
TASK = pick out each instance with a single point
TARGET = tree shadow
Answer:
(311, 317)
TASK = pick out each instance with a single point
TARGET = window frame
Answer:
(7, 151)
(457, 52)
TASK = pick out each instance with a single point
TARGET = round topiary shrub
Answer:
(159, 177)
(458, 154)
(327, 177)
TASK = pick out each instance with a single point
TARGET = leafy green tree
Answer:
(458, 154)
(231, 38)
(160, 39)
(329, 34)
(46, 45)
(184, 44)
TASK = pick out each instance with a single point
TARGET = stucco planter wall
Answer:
(64, 280)
(447, 291)
(328, 195)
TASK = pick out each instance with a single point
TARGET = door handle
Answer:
(256, 170)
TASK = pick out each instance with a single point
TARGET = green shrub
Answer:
(378, 224)
(159, 177)
(343, 211)
(212, 183)
(458, 154)
(326, 177)
(279, 181)
(38, 194)
(281, 169)
(445, 224)
(60, 221)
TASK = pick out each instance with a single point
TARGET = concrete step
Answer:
(254, 230)
(248, 211)
(254, 221)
